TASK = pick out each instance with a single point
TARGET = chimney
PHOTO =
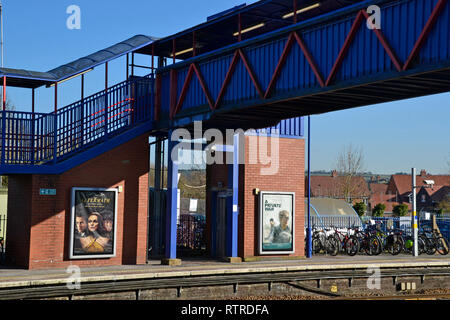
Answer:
(423, 173)
(334, 173)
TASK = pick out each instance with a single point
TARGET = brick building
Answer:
(351, 189)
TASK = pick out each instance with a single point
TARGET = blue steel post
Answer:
(3, 136)
(106, 101)
(3, 122)
(32, 126)
(232, 202)
(214, 222)
(172, 190)
(55, 124)
(309, 239)
(82, 110)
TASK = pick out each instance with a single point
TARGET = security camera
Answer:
(430, 183)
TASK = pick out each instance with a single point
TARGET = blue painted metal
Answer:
(214, 220)
(233, 201)
(172, 192)
(288, 128)
(37, 138)
(365, 61)
(308, 230)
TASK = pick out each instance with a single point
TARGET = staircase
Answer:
(51, 143)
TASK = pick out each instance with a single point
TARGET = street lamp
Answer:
(414, 218)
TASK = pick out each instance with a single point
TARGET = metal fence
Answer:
(191, 231)
(381, 223)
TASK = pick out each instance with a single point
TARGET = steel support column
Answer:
(308, 230)
(232, 202)
(172, 190)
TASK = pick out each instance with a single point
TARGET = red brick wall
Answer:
(289, 178)
(50, 216)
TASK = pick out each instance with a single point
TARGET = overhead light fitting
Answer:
(74, 76)
(181, 52)
(313, 6)
(250, 29)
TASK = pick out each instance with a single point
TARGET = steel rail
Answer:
(136, 285)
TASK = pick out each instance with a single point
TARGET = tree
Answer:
(378, 210)
(9, 105)
(400, 210)
(448, 163)
(360, 208)
(349, 164)
(444, 205)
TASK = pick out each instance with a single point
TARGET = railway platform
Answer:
(212, 279)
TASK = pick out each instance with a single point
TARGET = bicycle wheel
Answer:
(374, 246)
(422, 245)
(316, 245)
(352, 246)
(430, 246)
(332, 245)
(394, 245)
(442, 245)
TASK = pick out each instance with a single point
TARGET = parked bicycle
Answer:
(323, 242)
(347, 242)
(435, 242)
(368, 242)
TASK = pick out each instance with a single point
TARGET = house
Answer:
(351, 189)
(379, 194)
(399, 190)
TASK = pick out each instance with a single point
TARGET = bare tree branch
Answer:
(349, 164)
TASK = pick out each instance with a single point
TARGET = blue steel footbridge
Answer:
(253, 66)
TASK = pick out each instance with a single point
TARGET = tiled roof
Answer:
(328, 186)
(403, 181)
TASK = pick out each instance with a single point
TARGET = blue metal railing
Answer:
(40, 138)
(381, 223)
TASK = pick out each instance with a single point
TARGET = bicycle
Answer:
(322, 242)
(368, 241)
(436, 243)
(347, 243)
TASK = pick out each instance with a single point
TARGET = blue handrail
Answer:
(40, 138)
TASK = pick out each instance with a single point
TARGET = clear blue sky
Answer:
(394, 136)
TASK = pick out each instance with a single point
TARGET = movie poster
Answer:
(94, 216)
(277, 212)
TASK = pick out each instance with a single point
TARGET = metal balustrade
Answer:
(43, 138)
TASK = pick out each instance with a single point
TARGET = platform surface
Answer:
(10, 277)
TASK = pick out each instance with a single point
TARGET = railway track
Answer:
(290, 278)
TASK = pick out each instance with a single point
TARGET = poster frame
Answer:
(260, 223)
(72, 225)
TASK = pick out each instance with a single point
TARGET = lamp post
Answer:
(414, 218)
